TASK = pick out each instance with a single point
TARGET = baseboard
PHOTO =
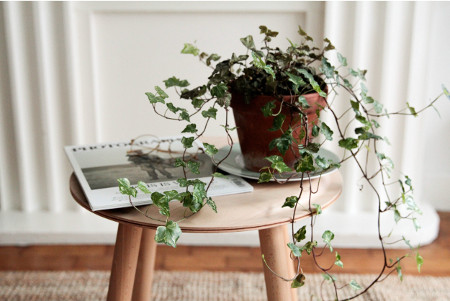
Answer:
(351, 231)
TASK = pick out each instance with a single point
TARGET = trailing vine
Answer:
(300, 69)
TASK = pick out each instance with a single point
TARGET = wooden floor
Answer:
(187, 258)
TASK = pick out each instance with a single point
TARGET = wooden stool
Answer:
(259, 210)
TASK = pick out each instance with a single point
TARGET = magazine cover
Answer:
(148, 159)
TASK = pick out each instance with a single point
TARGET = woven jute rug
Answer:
(206, 286)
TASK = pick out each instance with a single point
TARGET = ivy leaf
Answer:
(326, 131)
(300, 234)
(281, 167)
(264, 177)
(161, 92)
(290, 202)
(354, 285)
(296, 251)
(211, 204)
(168, 234)
(267, 108)
(143, 187)
(327, 237)
(317, 209)
(248, 42)
(299, 281)
(338, 261)
(303, 102)
(348, 143)
(308, 247)
(274, 159)
(190, 49)
(399, 271)
(179, 162)
(304, 34)
(446, 93)
(210, 149)
(153, 98)
(305, 164)
(315, 130)
(312, 82)
(277, 122)
(172, 108)
(197, 102)
(327, 68)
(342, 60)
(162, 202)
(187, 141)
(185, 116)
(322, 163)
(212, 57)
(411, 110)
(419, 261)
(175, 82)
(219, 175)
(210, 113)
(329, 278)
(397, 216)
(126, 188)
(219, 90)
(282, 143)
(190, 128)
(194, 167)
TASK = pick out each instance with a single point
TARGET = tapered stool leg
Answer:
(125, 258)
(274, 248)
(144, 273)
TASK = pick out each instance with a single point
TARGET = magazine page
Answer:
(151, 160)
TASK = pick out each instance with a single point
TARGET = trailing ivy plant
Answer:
(300, 69)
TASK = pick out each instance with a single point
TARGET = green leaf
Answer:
(329, 278)
(168, 234)
(342, 60)
(162, 202)
(309, 246)
(304, 34)
(194, 167)
(315, 131)
(210, 149)
(446, 93)
(219, 175)
(190, 49)
(187, 141)
(267, 108)
(399, 271)
(397, 216)
(274, 159)
(348, 143)
(297, 81)
(190, 128)
(295, 250)
(212, 57)
(327, 237)
(303, 102)
(317, 209)
(299, 281)
(264, 177)
(211, 204)
(185, 116)
(197, 102)
(161, 92)
(258, 61)
(327, 68)
(126, 188)
(179, 162)
(143, 187)
(323, 163)
(412, 110)
(300, 234)
(312, 82)
(355, 107)
(354, 285)
(290, 202)
(305, 164)
(326, 131)
(175, 82)
(225, 100)
(277, 122)
(282, 143)
(416, 224)
(172, 108)
(419, 261)
(154, 99)
(210, 113)
(281, 167)
(248, 42)
(338, 261)
(219, 90)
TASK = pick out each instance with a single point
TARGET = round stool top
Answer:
(255, 210)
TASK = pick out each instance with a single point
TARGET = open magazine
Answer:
(151, 160)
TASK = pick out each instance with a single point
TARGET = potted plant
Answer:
(286, 92)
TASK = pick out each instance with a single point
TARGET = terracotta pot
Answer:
(253, 127)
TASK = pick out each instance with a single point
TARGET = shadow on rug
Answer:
(207, 286)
